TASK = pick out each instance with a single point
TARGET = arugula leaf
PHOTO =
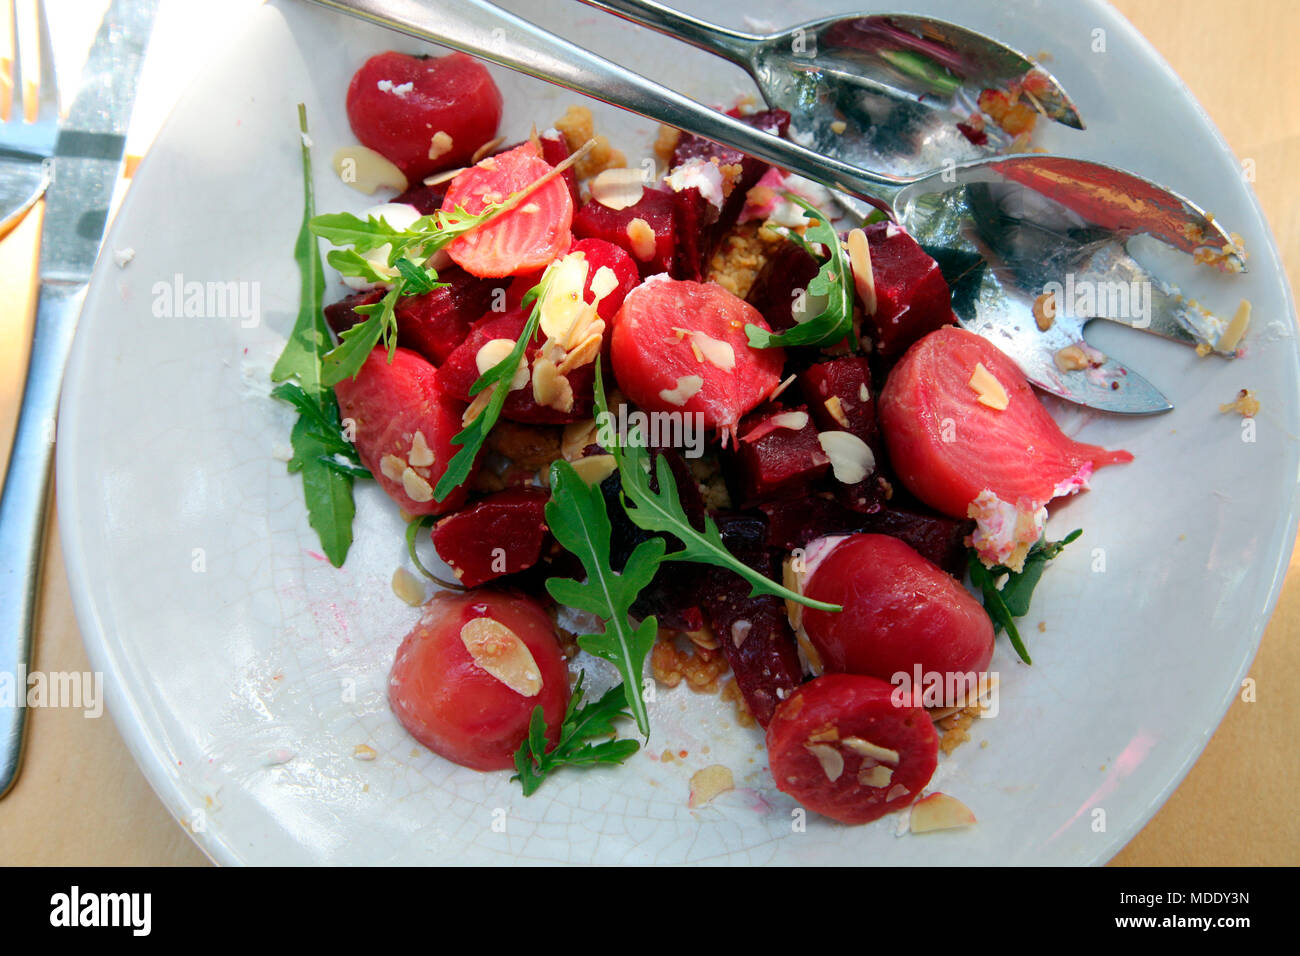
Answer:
(581, 723)
(498, 377)
(316, 436)
(409, 252)
(662, 510)
(577, 518)
(1011, 600)
(413, 529)
(834, 280)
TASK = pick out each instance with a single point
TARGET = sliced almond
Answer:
(827, 734)
(863, 278)
(642, 238)
(437, 179)
(716, 352)
(1045, 311)
(988, 390)
(365, 170)
(687, 387)
(875, 776)
(585, 352)
(421, 455)
(487, 149)
(1074, 358)
(408, 587)
(795, 421)
(475, 407)
(832, 760)
(550, 388)
(739, 631)
(493, 352)
(501, 652)
(709, 783)
(617, 188)
(595, 468)
(1231, 336)
(865, 748)
(577, 436)
(391, 467)
(440, 144)
(851, 458)
(603, 282)
(939, 811)
(416, 488)
(364, 752)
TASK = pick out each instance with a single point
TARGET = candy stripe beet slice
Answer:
(404, 427)
(525, 238)
(680, 346)
(841, 748)
(947, 446)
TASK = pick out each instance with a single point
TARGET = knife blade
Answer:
(87, 162)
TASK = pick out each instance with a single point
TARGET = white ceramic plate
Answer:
(243, 670)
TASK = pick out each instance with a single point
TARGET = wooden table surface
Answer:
(81, 799)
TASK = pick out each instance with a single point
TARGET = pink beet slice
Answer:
(391, 404)
(912, 297)
(947, 447)
(499, 535)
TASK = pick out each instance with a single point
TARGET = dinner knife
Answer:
(87, 162)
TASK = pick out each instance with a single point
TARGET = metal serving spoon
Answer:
(1003, 226)
(885, 92)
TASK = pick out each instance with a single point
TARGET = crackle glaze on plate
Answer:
(244, 672)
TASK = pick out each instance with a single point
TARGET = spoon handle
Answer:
(730, 44)
(483, 30)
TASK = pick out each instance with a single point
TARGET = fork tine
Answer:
(28, 47)
(7, 61)
(48, 100)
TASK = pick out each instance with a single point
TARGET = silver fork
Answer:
(29, 108)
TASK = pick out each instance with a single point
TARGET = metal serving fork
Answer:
(29, 108)
(1011, 226)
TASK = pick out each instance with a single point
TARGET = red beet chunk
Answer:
(912, 298)
(502, 534)
(839, 396)
(773, 458)
(937, 538)
(555, 151)
(656, 208)
(793, 522)
(457, 375)
(773, 293)
(427, 199)
(752, 632)
(432, 323)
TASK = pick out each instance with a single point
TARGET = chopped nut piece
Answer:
(365, 170)
(939, 811)
(617, 188)
(865, 748)
(838, 126)
(421, 455)
(501, 652)
(1073, 358)
(826, 734)
(988, 390)
(1245, 403)
(364, 752)
(1045, 311)
(440, 144)
(408, 587)
(416, 488)
(832, 760)
(835, 408)
(709, 782)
